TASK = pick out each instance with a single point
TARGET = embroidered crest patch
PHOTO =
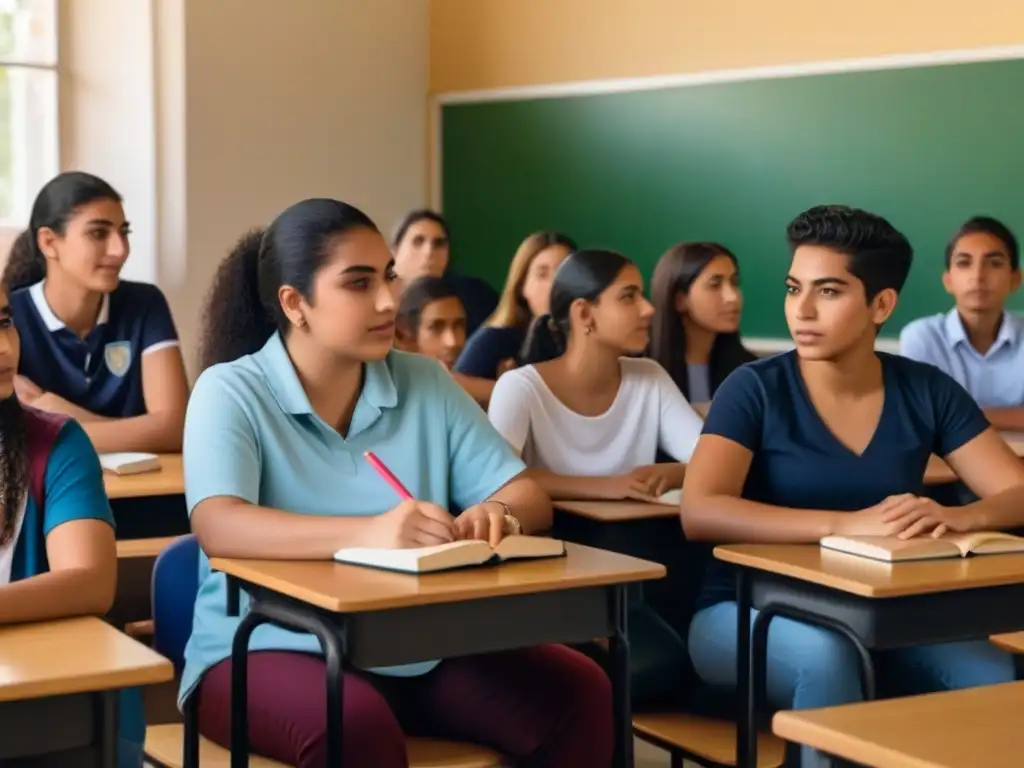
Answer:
(118, 357)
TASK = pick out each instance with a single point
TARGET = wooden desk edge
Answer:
(656, 511)
(335, 604)
(130, 548)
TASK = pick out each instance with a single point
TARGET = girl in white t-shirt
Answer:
(587, 417)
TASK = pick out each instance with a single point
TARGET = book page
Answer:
(512, 547)
(969, 542)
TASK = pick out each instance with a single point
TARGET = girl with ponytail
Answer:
(586, 416)
(301, 379)
(97, 348)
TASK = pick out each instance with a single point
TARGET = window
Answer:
(28, 105)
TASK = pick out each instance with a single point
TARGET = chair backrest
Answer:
(174, 589)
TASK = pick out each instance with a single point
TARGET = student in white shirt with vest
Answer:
(586, 415)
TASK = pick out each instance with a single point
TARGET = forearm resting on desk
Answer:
(577, 487)
(230, 527)
(157, 432)
(728, 519)
(997, 512)
(1006, 418)
(58, 595)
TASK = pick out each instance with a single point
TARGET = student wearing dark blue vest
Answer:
(833, 438)
(97, 348)
(57, 554)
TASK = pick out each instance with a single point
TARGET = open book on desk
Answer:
(456, 554)
(893, 550)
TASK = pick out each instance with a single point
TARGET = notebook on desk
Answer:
(457, 554)
(129, 463)
(892, 550)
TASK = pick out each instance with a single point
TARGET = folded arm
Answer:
(81, 581)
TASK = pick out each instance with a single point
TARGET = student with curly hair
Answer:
(833, 438)
(57, 553)
(303, 381)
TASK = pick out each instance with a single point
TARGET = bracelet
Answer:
(512, 525)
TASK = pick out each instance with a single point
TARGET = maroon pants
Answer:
(544, 707)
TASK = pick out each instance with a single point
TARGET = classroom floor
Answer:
(646, 757)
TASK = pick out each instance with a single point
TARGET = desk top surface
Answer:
(872, 578)
(355, 589)
(618, 511)
(169, 480)
(57, 658)
(955, 729)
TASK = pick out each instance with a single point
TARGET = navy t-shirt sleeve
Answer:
(958, 419)
(486, 350)
(158, 329)
(737, 411)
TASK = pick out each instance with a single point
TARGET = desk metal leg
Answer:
(746, 730)
(240, 688)
(618, 649)
(190, 746)
(332, 644)
(107, 736)
(758, 662)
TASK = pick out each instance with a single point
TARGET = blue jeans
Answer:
(809, 667)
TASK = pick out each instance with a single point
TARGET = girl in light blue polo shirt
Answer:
(57, 554)
(302, 380)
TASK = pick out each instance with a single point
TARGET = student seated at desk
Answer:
(274, 468)
(697, 304)
(431, 320)
(833, 438)
(421, 246)
(978, 342)
(590, 421)
(98, 348)
(57, 553)
(496, 347)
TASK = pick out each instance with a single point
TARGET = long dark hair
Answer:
(54, 206)
(13, 463)
(242, 309)
(583, 275)
(675, 273)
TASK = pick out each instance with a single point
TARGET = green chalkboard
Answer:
(734, 162)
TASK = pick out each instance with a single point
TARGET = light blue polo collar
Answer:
(378, 387)
(1009, 331)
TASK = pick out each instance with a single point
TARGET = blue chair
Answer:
(174, 590)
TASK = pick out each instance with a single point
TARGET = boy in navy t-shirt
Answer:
(833, 438)
(99, 349)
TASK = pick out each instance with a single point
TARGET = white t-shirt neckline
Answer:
(7, 550)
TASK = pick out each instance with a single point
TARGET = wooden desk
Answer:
(617, 511)
(67, 674)
(168, 481)
(939, 472)
(393, 618)
(874, 605)
(954, 729)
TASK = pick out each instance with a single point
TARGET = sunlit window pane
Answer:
(28, 32)
(28, 138)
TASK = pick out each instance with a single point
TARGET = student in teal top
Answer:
(57, 553)
(303, 380)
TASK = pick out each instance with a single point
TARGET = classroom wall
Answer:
(479, 44)
(211, 116)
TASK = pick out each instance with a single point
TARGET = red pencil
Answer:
(388, 476)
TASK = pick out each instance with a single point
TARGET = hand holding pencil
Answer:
(411, 523)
